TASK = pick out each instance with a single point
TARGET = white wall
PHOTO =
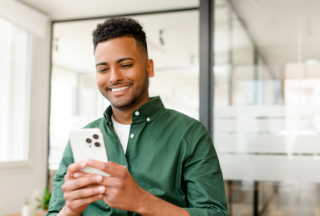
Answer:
(19, 179)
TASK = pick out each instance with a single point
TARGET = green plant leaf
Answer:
(44, 202)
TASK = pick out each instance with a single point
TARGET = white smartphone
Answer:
(89, 143)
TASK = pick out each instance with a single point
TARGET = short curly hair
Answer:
(116, 27)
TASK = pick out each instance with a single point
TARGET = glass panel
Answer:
(14, 82)
(173, 44)
(266, 114)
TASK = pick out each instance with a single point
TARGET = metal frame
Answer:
(49, 107)
(206, 76)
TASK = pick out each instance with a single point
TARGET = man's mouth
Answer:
(120, 89)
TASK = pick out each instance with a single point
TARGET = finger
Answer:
(80, 174)
(91, 186)
(75, 167)
(84, 193)
(112, 182)
(80, 183)
(111, 168)
(74, 204)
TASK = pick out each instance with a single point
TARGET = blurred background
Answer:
(249, 70)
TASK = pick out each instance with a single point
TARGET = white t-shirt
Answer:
(123, 132)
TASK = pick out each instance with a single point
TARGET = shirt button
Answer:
(109, 123)
(137, 113)
(131, 136)
(148, 119)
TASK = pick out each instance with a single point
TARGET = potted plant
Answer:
(44, 202)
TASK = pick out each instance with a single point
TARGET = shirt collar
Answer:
(150, 110)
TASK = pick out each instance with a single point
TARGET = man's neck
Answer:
(124, 116)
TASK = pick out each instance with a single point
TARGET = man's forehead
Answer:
(122, 44)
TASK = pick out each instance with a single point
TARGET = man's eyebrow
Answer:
(101, 63)
(122, 59)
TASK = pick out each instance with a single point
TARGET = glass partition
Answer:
(266, 114)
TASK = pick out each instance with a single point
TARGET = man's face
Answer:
(122, 72)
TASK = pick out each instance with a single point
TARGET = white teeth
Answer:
(120, 89)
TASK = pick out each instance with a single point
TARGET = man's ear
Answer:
(150, 68)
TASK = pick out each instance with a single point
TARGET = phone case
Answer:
(89, 143)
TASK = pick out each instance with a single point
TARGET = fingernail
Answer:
(101, 189)
(87, 161)
(99, 178)
(83, 164)
(100, 196)
(76, 175)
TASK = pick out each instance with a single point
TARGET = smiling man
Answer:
(163, 162)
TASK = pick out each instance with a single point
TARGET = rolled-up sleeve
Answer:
(203, 176)
(57, 200)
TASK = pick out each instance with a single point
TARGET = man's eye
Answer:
(102, 70)
(126, 65)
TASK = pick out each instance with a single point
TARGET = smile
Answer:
(120, 89)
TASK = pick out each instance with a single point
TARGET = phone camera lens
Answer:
(95, 136)
(97, 144)
(88, 140)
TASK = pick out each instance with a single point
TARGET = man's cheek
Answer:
(101, 79)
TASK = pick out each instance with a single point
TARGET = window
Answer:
(14, 92)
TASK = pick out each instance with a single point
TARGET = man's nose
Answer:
(116, 76)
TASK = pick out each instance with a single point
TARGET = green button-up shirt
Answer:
(169, 154)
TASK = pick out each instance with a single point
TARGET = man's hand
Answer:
(122, 191)
(79, 191)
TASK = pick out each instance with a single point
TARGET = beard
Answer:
(136, 95)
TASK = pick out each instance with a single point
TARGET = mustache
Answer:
(108, 87)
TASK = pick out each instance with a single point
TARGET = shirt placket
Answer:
(138, 123)
(122, 160)
(118, 158)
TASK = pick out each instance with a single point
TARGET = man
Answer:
(163, 162)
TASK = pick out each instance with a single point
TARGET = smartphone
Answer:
(89, 143)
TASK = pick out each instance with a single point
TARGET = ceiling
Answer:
(75, 9)
(277, 26)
